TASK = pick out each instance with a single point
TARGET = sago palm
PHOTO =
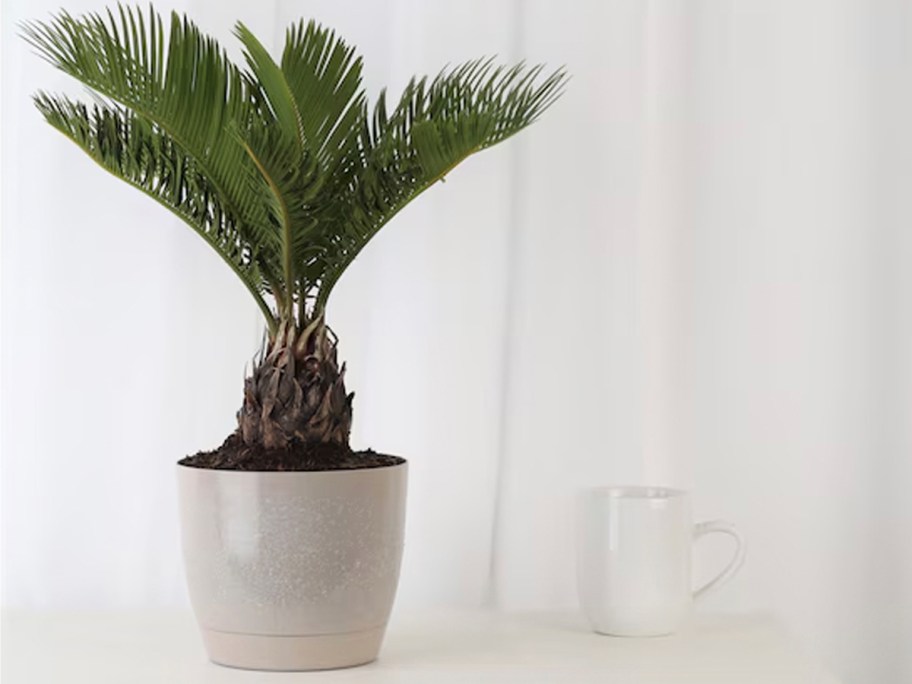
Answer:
(281, 167)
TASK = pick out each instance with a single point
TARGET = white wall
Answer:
(692, 271)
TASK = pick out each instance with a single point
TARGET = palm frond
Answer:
(267, 77)
(309, 146)
(324, 75)
(276, 145)
(436, 125)
(190, 90)
(148, 159)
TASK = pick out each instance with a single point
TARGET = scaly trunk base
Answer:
(296, 392)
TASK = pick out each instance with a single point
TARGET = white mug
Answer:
(634, 559)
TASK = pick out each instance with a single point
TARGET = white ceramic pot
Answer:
(292, 570)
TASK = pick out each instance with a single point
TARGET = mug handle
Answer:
(734, 564)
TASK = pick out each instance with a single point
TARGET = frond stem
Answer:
(287, 263)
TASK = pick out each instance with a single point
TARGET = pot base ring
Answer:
(292, 653)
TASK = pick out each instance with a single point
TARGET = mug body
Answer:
(634, 559)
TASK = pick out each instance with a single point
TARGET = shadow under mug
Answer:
(634, 559)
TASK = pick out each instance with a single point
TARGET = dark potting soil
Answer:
(235, 455)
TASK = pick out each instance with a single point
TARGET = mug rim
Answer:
(644, 492)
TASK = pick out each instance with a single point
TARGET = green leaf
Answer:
(324, 75)
(190, 90)
(435, 126)
(268, 77)
(151, 161)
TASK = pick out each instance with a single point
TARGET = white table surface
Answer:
(470, 648)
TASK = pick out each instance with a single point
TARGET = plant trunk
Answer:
(296, 392)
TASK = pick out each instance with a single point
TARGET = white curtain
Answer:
(694, 271)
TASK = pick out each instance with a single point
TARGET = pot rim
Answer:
(403, 463)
